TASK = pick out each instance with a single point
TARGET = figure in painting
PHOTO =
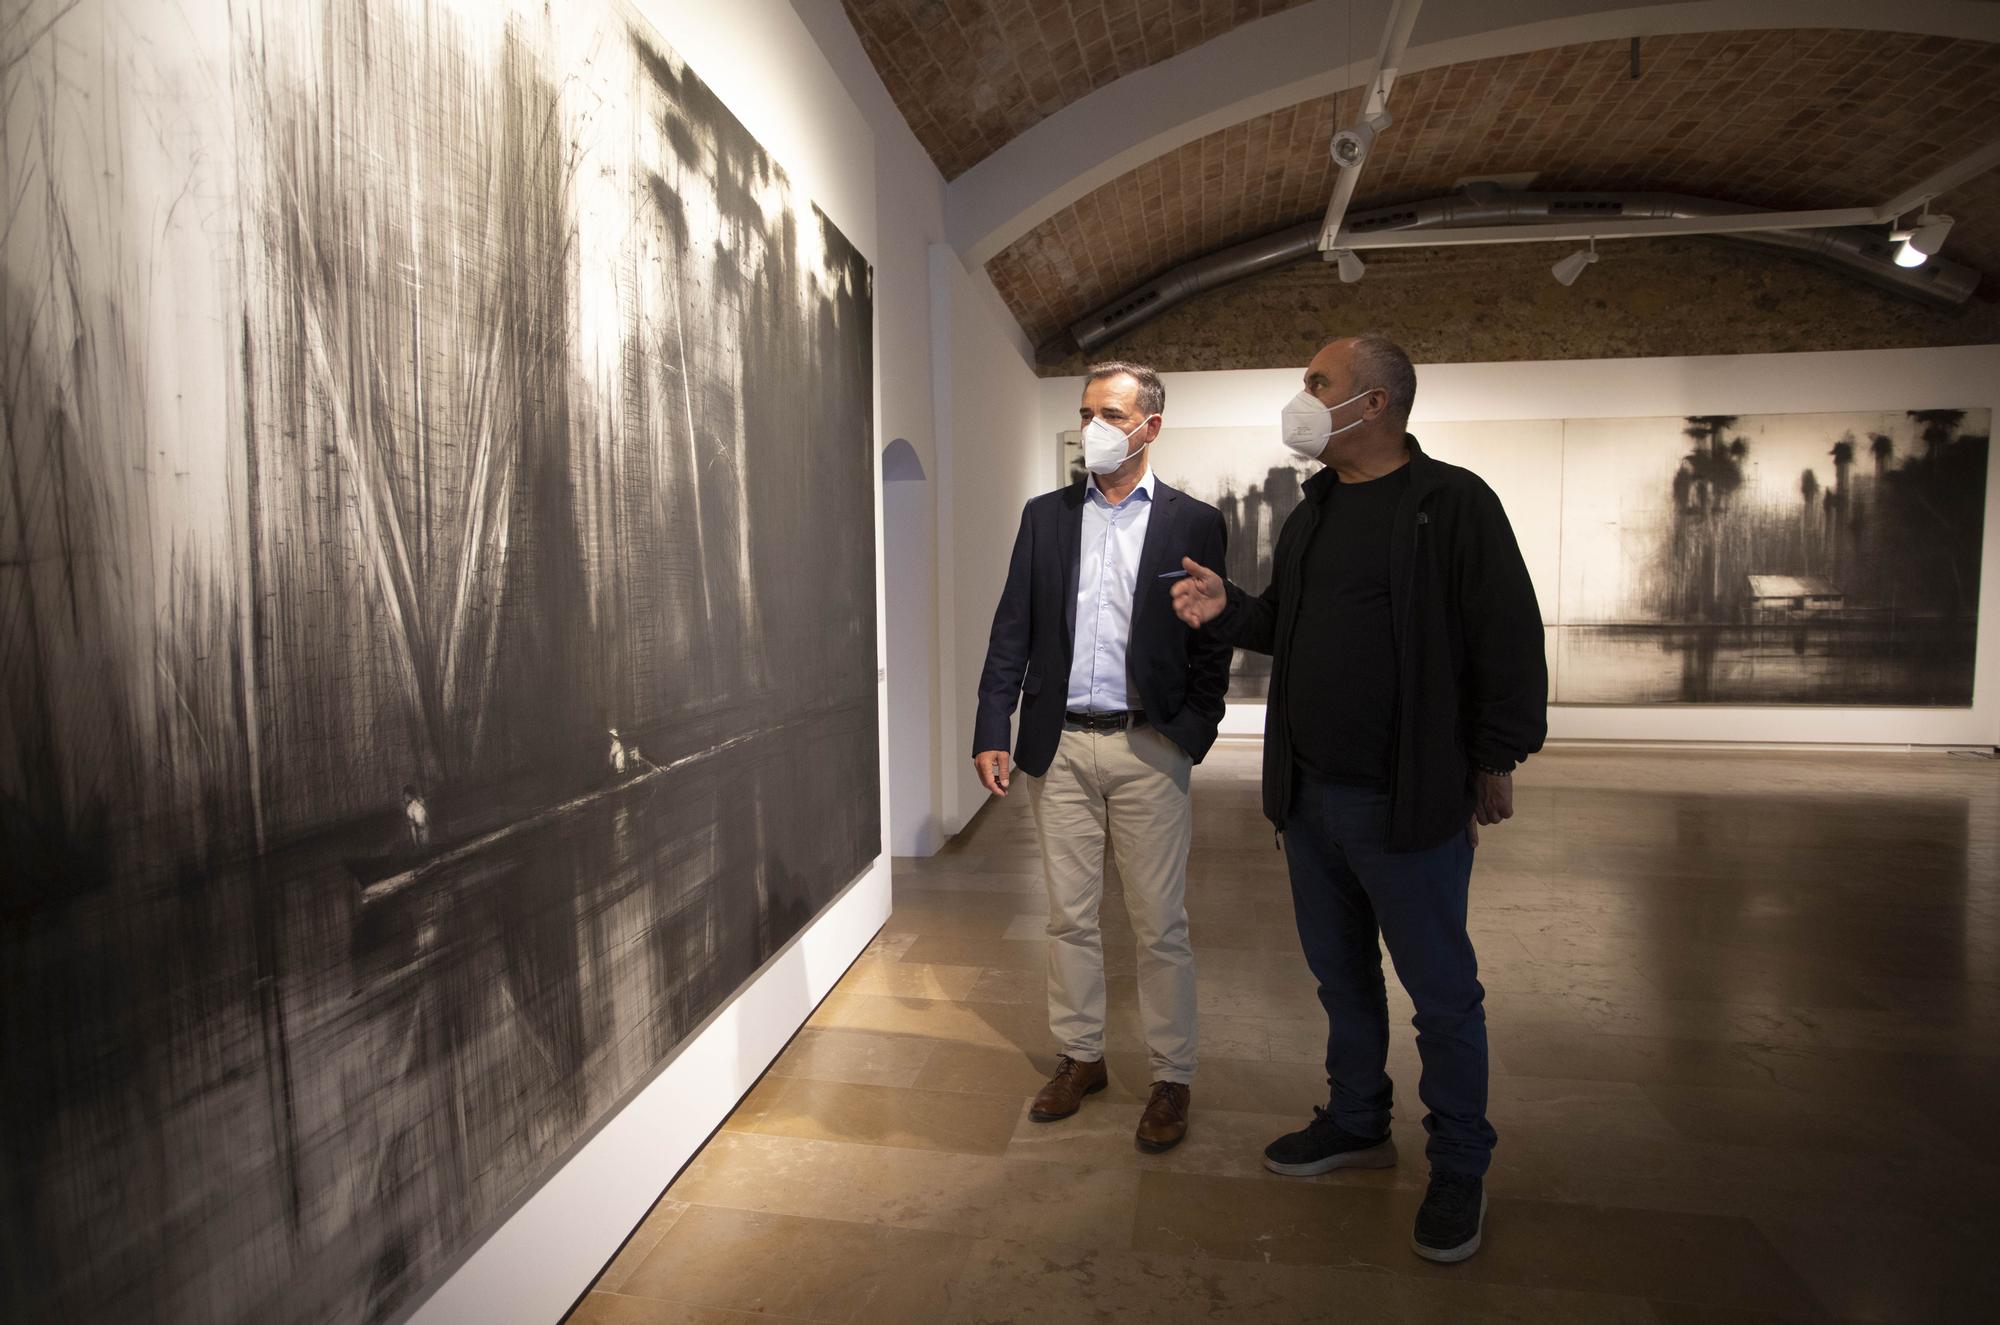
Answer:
(418, 816)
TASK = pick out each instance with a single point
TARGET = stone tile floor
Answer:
(1745, 1019)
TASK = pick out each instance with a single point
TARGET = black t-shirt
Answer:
(1340, 677)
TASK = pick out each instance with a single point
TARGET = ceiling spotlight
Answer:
(1928, 237)
(1350, 146)
(1921, 240)
(1352, 268)
(1568, 269)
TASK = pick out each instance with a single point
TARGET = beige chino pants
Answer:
(1134, 785)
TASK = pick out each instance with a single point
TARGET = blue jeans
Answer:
(1346, 888)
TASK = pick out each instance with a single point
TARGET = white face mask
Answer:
(1308, 425)
(1105, 447)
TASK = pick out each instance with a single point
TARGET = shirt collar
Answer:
(1142, 492)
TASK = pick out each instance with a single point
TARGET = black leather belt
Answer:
(1106, 722)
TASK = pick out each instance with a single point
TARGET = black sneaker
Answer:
(1453, 1213)
(1322, 1147)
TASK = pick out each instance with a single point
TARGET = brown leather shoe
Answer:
(1064, 1094)
(1164, 1123)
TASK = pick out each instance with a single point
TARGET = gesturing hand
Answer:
(1200, 598)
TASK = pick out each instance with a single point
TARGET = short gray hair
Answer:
(1381, 362)
(1152, 392)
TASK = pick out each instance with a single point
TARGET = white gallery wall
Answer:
(1512, 402)
(954, 380)
(986, 404)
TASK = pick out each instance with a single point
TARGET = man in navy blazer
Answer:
(1119, 700)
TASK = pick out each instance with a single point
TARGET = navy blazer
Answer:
(1178, 676)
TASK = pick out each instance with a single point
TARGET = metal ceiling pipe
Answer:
(1861, 251)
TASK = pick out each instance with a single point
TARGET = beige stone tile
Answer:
(1703, 1313)
(906, 979)
(1714, 1260)
(1531, 1244)
(1258, 1086)
(968, 927)
(979, 1196)
(1026, 881)
(1007, 954)
(1893, 1266)
(802, 1268)
(997, 1025)
(1223, 1036)
(865, 1058)
(1437, 1299)
(1689, 1177)
(1555, 1107)
(1008, 1073)
(1274, 1223)
(1563, 1052)
(1790, 1120)
(1220, 1143)
(599, 1308)
(887, 947)
(875, 1115)
(1008, 1283)
(637, 1247)
(1028, 988)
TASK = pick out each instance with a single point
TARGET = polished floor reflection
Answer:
(1745, 1017)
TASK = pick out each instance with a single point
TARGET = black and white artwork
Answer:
(1757, 559)
(1772, 558)
(1248, 476)
(437, 624)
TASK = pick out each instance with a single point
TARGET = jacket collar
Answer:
(1425, 473)
(1077, 493)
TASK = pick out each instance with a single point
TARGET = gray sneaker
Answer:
(1451, 1219)
(1322, 1147)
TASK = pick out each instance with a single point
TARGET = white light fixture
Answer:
(1929, 235)
(1352, 268)
(1568, 269)
(1921, 240)
(1350, 146)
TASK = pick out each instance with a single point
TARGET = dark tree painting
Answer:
(437, 624)
(1772, 559)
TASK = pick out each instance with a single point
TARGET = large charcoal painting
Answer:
(1772, 558)
(1816, 559)
(436, 616)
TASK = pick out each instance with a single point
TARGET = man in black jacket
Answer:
(1408, 680)
(1118, 701)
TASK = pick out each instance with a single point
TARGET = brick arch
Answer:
(1779, 118)
(969, 75)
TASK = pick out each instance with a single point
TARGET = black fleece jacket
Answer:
(1473, 676)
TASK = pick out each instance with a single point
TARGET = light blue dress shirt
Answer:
(1106, 576)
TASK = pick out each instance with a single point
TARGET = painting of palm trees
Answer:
(1730, 559)
(416, 721)
(1754, 559)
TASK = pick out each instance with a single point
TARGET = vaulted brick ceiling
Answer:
(969, 75)
(1774, 118)
(1782, 119)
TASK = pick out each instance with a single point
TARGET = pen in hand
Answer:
(1173, 575)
